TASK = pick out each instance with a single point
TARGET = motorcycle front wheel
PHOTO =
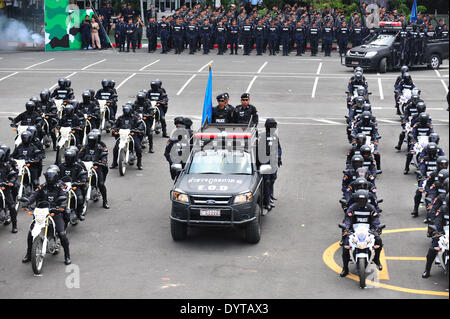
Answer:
(122, 162)
(362, 272)
(37, 258)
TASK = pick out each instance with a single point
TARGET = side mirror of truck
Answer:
(265, 169)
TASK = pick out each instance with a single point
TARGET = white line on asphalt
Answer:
(387, 121)
(262, 67)
(445, 85)
(313, 95)
(185, 84)
(380, 87)
(201, 69)
(319, 68)
(327, 121)
(437, 73)
(86, 67)
(123, 82)
(141, 69)
(8, 76)
(251, 84)
(55, 85)
(29, 67)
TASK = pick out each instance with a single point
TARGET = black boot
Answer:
(430, 257)
(105, 204)
(345, 261)
(139, 163)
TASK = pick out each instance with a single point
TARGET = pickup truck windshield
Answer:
(383, 40)
(221, 162)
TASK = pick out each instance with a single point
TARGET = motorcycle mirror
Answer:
(380, 200)
(24, 200)
(433, 227)
(381, 226)
(342, 226)
(176, 167)
(10, 118)
(60, 199)
(343, 201)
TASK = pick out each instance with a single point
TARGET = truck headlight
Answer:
(243, 198)
(348, 53)
(371, 54)
(180, 197)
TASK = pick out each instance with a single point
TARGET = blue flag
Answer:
(207, 104)
(414, 12)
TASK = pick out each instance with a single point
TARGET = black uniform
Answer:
(244, 115)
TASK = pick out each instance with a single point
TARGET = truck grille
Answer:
(210, 200)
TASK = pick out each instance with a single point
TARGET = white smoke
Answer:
(12, 30)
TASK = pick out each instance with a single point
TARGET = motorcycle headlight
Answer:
(243, 198)
(40, 219)
(371, 54)
(180, 197)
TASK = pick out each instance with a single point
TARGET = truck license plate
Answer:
(210, 212)
(355, 62)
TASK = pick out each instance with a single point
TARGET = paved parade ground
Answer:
(128, 251)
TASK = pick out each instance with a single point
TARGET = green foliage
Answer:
(421, 9)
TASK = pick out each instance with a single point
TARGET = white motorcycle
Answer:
(157, 126)
(5, 218)
(24, 177)
(421, 144)
(362, 248)
(65, 139)
(43, 233)
(443, 247)
(60, 106)
(92, 192)
(126, 150)
(19, 129)
(405, 97)
(105, 111)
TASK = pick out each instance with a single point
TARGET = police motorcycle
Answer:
(127, 155)
(64, 140)
(92, 192)
(87, 127)
(442, 246)
(19, 129)
(404, 98)
(46, 139)
(105, 111)
(419, 146)
(157, 126)
(45, 240)
(72, 203)
(362, 247)
(24, 179)
(5, 218)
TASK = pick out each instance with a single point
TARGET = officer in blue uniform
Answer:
(152, 34)
(327, 38)
(285, 33)
(120, 34)
(205, 31)
(178, 33)
(130, 31)
(163, 31)
(246, 36)
(342, 37)
(314, 34)
(233, 37)
(272, 33)
(220, 34)
(299, 35)
(259, 33)
(191, 34)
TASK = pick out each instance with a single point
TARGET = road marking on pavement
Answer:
(86, 67)
(55, 85)
(328, 258)
(319, 68)
(387, 121)
(3, 78)
(313, 94)
(29, 67)
(445, 85)
(262, 67)
(251, 84)
(186, 84)
(141, 69)
(437, 72)
(380, 87)
(123, 82)
(327, 121)
(201, 69)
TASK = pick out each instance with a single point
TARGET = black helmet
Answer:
(361, 197)
(97, 132)
(178, 121)
(144, 91)
(442, 162)
(407, 78)
(140, 97)
(404, 69)
(45, 95)
(365, 151)
(270, 123)
(105, 84)
(361, 91)
(366, 116)
(442, 176)
(432, 149)
(70, 156)
(51, 176)
(359, 76)
(434, 137)
(367, 107)
(424, 118)
(68, 110)
(26, 138)
(154, 85)
(92, 139)
(30, 106)
(35, 100)
(6, 149)
(361, 183)
(415, 98)
(2, 156)
(359, 101)
(357, 161)
(127, 109)
(92, 92)
(361, 139)
(61, 82)
(187, 122)
(67, 83)
(358, 69)
(421, 107)
(86, 96)
(159, 83)
(112, 84)
(33, 131)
